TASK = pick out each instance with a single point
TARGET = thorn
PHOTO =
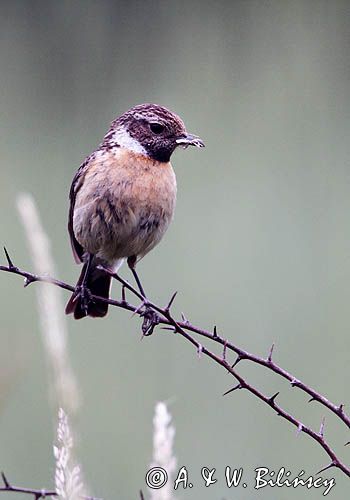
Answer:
(332, 464)
(123, 295)
(272, 399)
(347, 444)
(184, 319)
(199, 350)
(171, 302)
(215, 332)
(312, 399)
(28, 281)
(238, 386)
(299, 429)
(238, 359)
(269, 358)
(9, 261)
(138, 309)
(294, 382)
(169, 328)
(321, 433)
(341, 409)
(4, 478)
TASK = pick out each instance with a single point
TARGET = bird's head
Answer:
(151, 130)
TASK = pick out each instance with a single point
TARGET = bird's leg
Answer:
(84, 292)
(150, 317)
(132, 265)
(138, 282)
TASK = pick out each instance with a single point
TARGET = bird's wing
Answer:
(77, 182)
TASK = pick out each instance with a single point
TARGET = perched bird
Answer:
(122, 199)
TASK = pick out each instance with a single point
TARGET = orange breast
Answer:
(125, 204)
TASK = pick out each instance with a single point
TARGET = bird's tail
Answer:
(97, 283)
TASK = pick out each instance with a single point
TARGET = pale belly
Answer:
(112, 238)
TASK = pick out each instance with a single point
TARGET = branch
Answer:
(36, 494)
(184, 327)
(338, 410)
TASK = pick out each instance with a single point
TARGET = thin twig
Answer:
(338, 410)
(35, 493)
(241, 353)
(184, 327)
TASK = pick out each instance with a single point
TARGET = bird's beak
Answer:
(189, 140)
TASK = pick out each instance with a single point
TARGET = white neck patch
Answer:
(122, 137)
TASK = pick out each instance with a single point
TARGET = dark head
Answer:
(151, 130)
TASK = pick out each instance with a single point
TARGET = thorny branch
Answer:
(39, 494)
(184, 327)
(35, 493)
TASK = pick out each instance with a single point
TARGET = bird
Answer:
(122, 200)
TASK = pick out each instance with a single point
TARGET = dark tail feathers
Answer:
(99, 284)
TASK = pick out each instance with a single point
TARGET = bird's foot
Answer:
(85, 297)
(150, 320)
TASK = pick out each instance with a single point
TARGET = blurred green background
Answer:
(260, 244)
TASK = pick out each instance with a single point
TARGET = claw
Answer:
(85, 296)
(150, 321)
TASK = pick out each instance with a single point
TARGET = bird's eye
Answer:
(157, 128)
